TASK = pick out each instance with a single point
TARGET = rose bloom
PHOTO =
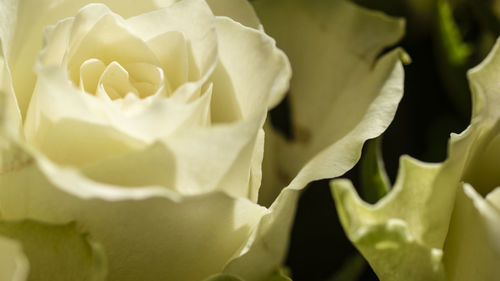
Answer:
(133, 132)
(440, 221)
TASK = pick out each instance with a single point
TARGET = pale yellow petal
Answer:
(265, 250)
(26, 36)
(194, 19)
(259, 71)
(146, 232)
(217, 158)
(118, 129)
(14, 265)
(391, 233)
(343, 91)
(472, 247)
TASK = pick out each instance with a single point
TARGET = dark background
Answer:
(436, 103)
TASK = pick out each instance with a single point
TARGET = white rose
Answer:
(143, 125)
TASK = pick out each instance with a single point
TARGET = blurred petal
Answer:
(10, 111)
(14, 265)
(223, 277)
(472, 247)
(8, 98)
(389, 234)
(239, 10)
(494, 197)
(342, 92)
(56, 252)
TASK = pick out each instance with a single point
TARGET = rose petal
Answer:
(217, 158)
(175, 56)
(26, 34)
(225, 107)
(341, 92)
(390, 234)
(123, 130)
(472, 248)
(8, 103)
(14, 265)
(157, 168)
(259, 71)
(108, 40)
(115, 82)
(146, 232)
(180, 17)
(494, 198)
(54, 252)
(239, 10)
(265, 250)
(484, 86)
(90, 72)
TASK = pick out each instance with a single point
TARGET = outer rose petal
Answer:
(341, 93)
(472, 247)
(8, 100)
(266, 249)
(53, 252)
(494, 197)
(146, 232)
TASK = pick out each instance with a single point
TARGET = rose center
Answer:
(116, 81)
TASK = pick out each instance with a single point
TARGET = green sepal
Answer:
(374, 180)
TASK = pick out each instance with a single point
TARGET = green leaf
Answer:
(453, 56)
(56, 252)
(456, 51)
(374, 180)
